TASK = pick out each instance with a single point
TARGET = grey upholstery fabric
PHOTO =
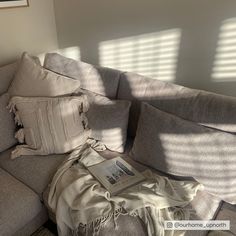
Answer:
(210, 109)
(179, 147)
(31, 226)
(6, 76)
(34, 171)
(108, 120)
(18, 204)
(7, 125)
(228, 212)
(100, 80)
(33, 80)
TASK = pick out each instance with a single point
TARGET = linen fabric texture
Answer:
(7, 125)
(100, 80)
(206, 108)
(74, 192)
(50, 125)
(183, 148)
(108, 120)
(32, 80)
(6, 76)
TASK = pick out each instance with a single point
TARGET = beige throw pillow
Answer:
(50, 125)
(32, 80)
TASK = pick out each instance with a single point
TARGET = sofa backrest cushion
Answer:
(183, 148)
(108, 120)
(33, 80)
(6, 76)
(7, 125)
(100, 80)
(209, 109)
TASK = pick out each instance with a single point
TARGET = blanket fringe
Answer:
(100, 222)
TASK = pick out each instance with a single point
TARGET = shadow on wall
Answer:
(154, 55)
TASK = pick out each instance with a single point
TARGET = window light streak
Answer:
(71, 52)
(154, 55)
(224, 68)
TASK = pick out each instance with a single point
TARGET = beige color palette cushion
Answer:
(50, 125)
(32, 80)
(184, 148)
(108, 120)
(7, 125)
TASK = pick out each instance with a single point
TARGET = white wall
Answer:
(31, 29)
(89, 24)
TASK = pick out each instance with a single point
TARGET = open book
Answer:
(116, 174)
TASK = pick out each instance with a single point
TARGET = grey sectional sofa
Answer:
(24, 181)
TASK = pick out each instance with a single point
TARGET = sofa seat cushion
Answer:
(18, 204)
(34, 171)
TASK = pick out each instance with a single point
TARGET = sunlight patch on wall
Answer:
(224, 68)
(154, 54)
(71, 52)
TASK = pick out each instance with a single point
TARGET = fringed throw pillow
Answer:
(49, 125)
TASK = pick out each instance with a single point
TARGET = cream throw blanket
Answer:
(79, 201)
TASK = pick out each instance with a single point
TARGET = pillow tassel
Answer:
(20, 135)
(17, 152)
(11, 106)
(17, 119)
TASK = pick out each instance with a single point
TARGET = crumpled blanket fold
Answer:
(81, 203)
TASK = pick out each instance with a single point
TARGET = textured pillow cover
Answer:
(7, 125)
(32, 80)
(179, 147)
(100, 80)
(50, 125)
(108, 120)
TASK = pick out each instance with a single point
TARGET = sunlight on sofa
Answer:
(154, 54)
